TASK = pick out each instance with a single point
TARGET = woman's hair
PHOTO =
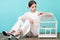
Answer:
(31, 3)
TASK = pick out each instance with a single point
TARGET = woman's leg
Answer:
(15, 27)
(24, 29)
(35, 29)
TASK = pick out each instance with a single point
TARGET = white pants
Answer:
(25, 27)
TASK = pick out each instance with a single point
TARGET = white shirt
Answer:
(36, 20)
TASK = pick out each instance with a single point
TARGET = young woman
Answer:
(28, 24)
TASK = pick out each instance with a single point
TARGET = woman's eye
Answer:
(32, 7)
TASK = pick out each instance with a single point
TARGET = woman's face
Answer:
(33, 8)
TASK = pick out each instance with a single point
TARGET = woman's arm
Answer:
(23, 17)
(45, 14)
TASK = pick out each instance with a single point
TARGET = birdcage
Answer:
(48, 26)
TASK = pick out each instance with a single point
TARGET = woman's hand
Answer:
(40, 14)
(31, 20)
